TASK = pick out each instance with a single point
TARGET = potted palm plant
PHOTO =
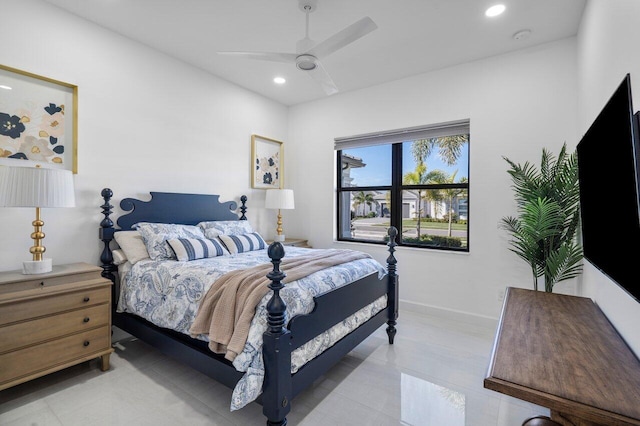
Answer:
(544, 231)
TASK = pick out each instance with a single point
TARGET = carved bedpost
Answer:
(106, 235)
(276, 350)
(243, 207)
(392, 295)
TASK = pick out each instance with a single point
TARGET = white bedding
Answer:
(167, 293)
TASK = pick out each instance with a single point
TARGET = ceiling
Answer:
(413, 36)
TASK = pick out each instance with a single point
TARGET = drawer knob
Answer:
(86, 319)
(86, 343)
(42, 283)
(86, 299)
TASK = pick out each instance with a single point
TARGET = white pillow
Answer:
(197, 248)
(242, 243)
(132, 245)
(118, 256)
(155, 236)
(216, 228)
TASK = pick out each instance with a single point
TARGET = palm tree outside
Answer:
(361, 198)
(450, 195)
(449, 150)
(420, 176)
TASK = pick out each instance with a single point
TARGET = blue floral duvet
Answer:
(167, 293)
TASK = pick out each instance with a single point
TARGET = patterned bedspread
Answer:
(167, 293)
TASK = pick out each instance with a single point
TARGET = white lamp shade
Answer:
(36, 187)
(279, 199)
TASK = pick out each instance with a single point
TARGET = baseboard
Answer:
(448, 314)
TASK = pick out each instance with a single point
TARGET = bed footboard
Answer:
(280, 386)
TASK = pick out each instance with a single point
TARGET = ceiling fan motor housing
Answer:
(306, 62)
(307, 5)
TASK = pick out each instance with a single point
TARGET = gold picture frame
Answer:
(267, 161)
(38, 121)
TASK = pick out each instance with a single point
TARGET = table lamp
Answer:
(281, 199)
(36, 187)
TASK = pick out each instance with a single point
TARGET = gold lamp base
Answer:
(279, 235)
(39, 265)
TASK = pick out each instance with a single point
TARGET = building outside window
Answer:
(415, 179)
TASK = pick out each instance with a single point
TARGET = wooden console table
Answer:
(561, 352)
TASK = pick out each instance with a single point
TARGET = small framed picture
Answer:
(267, 161)
(38, 121)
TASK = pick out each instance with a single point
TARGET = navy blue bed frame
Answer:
(280, 386)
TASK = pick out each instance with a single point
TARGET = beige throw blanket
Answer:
(228, 307)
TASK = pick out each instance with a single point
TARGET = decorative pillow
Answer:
(155, 236)
(132, 245)
(193, 248)
(243, 242)
(216, 228)
(118, 256)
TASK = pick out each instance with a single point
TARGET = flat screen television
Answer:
(609, 175)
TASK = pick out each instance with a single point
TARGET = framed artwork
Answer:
(267, 161)
(38, 121)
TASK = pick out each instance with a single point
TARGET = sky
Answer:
(377, 171)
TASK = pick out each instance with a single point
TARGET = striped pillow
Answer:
(241, 243)
(196, 248)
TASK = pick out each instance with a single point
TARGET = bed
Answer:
(298, 341)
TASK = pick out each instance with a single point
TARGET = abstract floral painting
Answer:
(267, 162)
(37, 120)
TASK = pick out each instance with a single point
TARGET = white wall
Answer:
(608, 43)
(517, 104)
(146, 122)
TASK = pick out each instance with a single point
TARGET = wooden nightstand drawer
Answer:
(21, 334)
(18, 282)
(46, 356)
(52, 303)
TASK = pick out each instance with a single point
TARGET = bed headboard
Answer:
(171, 207)
(163, 207)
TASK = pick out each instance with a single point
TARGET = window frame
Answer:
(396, 190)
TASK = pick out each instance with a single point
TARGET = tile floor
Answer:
(432, 376)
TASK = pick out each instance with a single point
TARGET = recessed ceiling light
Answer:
(2, 86)
(279, 80)
(495, 10)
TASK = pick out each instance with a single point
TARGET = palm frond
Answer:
(563, 264)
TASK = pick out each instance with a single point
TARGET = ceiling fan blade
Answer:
(265, 56)
(320, 75)
(348, 35)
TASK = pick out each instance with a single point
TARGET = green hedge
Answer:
(435, 241)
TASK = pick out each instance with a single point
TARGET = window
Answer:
(415, 179)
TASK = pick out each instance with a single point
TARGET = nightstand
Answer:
(295, 242)
(52, 321)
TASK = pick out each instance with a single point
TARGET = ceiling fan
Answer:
(308, 53)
